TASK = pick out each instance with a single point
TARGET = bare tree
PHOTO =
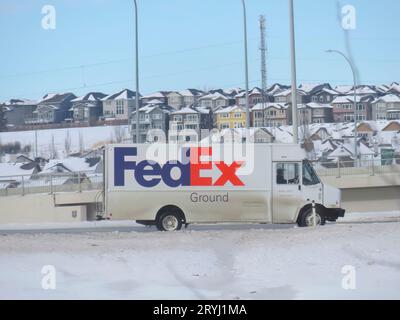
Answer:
(119, 134)
(67, 144)
(81, 143)
(53, 149)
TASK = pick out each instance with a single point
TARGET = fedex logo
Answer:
(149, 174)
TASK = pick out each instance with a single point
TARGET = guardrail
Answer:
(50, 183)
(86, 181)
(365, 166)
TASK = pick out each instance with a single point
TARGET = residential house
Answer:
(285, 97)
(343, 89)
(363, 91)
(88, 108)
(275, 89)
(175, 100)
(186, 125)
(53, 108)
(311, 90)
(161, 96)
(231, 118)
(394, 88)
(343, 108)
(255, 96)
(270, 115)
(241, 135)
(119, 106)
(215, 101)
(190, 97)
(153, 123)
(320, 113)
(324, 95)
(19, 111)
(386, 108)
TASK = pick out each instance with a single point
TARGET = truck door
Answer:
(287, 195)
(311, 186)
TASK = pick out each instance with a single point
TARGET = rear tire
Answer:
(169, 222)
(306, 219)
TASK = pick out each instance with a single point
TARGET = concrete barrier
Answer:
(38, 208)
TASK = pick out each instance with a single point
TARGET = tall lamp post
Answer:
(246, 62)
(353, 69)
(294, 74)
(137, 74)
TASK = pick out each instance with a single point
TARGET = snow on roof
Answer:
(229, 109)
(13, 170)
(214, 96)
(154, 101)
(125, 94)
(364, 90)
(190, 93)
(92, 96)
(52, 97)
(158, 94)
(308, 87)
(315, 105)
(20, 102)
(186, 110)
(289, 91)
(70, 164)
(263, 106)
(346, 99)
(343, 89)
(389, 98)
(330, 91)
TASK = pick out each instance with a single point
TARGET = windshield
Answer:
(310, 178)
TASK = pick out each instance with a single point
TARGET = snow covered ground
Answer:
(204, 262)
(87, 138)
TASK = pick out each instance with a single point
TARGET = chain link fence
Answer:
(50, 183)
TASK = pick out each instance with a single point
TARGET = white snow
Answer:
(206, 262)
(91, 137)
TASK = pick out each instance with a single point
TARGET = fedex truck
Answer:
(171, 186)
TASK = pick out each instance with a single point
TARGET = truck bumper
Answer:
(334, 214)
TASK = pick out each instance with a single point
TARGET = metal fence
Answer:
(365, 166)
(87, 181)
(50, 183)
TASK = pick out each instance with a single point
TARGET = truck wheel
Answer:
(169, 221)
(306, 219)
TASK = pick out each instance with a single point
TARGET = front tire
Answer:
(169, 222)
(306, 219)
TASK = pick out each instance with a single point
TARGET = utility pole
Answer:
(137, 102)
(353, 70)
(263, 49)
(246, 62)
(294, 75)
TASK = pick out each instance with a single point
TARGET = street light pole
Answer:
(137, 74)
(246, 62)
(353, 69)
(294, 74)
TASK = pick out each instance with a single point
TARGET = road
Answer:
(204, 262)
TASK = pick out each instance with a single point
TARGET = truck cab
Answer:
(298, 189)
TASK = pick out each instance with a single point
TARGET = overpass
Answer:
(69, 198)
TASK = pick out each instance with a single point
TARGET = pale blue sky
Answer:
(186, 44)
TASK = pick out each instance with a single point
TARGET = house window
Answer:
(120, 107)
(178, 118)
(237, 115)
(191, 117)
(360, 107)
(157, 116)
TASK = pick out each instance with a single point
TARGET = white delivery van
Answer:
(169, 186)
